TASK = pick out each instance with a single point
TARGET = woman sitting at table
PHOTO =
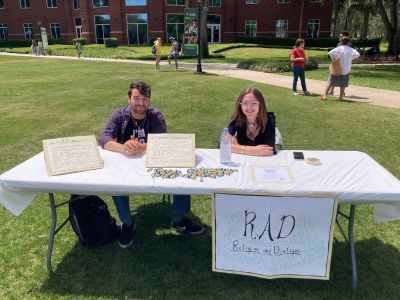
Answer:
(252, 127)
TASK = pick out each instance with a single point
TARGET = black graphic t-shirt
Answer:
(136, 129)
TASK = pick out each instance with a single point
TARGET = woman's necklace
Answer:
(252, 130)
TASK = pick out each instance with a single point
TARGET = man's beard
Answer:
(139, 111)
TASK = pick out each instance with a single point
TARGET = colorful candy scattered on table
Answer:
(192, 173)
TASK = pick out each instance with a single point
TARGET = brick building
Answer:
(137, 21)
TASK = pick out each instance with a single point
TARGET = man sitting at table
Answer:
(126, 131)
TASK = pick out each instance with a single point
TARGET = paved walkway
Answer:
(353, 93)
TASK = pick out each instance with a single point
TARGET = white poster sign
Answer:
(273, 236)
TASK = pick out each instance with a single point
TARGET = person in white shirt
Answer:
(346, 54)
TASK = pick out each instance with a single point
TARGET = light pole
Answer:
(199, 70)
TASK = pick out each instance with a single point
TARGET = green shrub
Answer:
(15, 43)
(55, 41)
(111, 42)
(317, 43)
(83, 41)
(363, 43)
(277, 66)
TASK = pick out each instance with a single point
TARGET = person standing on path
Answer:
(173, 52)
(78, 47)
(342, 34)
(157, 44)
(346, 54)
(34, 47)
(298, 58)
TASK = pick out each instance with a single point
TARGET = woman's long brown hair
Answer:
(240, 118)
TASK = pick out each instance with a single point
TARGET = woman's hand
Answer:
(263, 150)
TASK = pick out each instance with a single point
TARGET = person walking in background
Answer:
(34, 47)
(173, 52)
(157, 44)
(78, 47)
(298, 58)
(40, 48)
(341, 35)
(252, 127)
(346, 54)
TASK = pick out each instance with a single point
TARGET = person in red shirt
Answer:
(298, 58)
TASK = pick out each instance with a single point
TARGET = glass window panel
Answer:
(215, 3)
(137, 18)
(1, 3)
(213, 19)
(28, 30)
(51, 3)
(175, 18)
(25, 3)
(3, 32)
(76, 4)
(55, 31)
(176, 2)
(135, 2)
(313, 28)
(281, 28)
(100, 3)
(251, 28)
(102, 19)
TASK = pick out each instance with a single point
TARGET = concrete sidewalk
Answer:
(353, 93)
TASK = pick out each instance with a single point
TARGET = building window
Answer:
(25, 3)
(3, 31)
(1, 3)
(103, 28)
(137, 28)
(315, 1)
(283, 1)
(281, 28)
(76, 4)
(135, 2)
(55, 31)
(251, 28)
(176, 2)
(313, 28)
(100, 3)
(176, 26)
(214, 28)
(78, 27)
(251, 1)
(51, 3)
(215, 3)
(28, 31)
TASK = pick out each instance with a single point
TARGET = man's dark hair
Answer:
(344, 32)
(345, 40)
(143, 88)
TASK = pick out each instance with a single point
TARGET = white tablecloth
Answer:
(353, 176)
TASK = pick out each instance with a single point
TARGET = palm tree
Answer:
(367, 8)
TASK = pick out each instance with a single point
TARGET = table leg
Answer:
(349, 240)
(52, 231)
(352, 247)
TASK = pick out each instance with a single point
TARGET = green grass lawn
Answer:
(48, 98)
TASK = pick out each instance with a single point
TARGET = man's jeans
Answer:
(299, 72)
(180, 207)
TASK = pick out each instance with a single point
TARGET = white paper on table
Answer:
(272, 174)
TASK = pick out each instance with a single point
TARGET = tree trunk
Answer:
(364, 31)
(204, 35)
(390, 25)
(301, 18)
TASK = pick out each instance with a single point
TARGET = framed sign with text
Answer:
(273, 236)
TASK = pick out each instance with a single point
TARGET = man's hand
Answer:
(133, 147)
